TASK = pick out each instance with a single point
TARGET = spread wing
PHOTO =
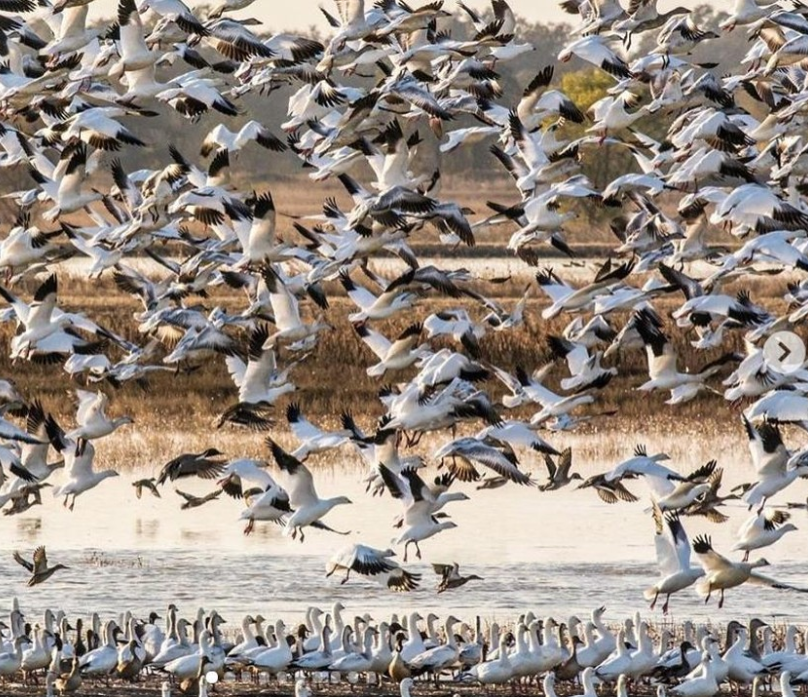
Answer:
(40, 560)
(27, 565)
(708, 557)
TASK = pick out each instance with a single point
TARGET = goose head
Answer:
(756, 623)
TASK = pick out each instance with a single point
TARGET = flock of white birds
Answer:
(385, 100)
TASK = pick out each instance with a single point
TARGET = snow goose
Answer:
(289, 327)
(595, 50)
(37, 656)
(644, 658)
(705, 685)
(549, 652)
(616, 665)
(745, 12)
(663, 372)
(470, 451)
(222, 137)
(189, 666)
(67, 191)
(37, 318)
(320, 659)
(780, 406)
(660, 478)
(376, 563)
(175, 644)
(312, 439)
(414, 645)
(763, 528)
(588, 682)
(606, 641)
(177, 11)
(228, 6)
(687, 492)
(260, 383)
(566, 298)
(517, 434)
(776, 468)
(420, 505)
(680, 35)
(102, 661)
(752, 205)
(743, 668)
(501, 669)
(392, 355)
(79, 456)
(376, 307)
(673, 559)
(584, 369)
(270, 503)
(440, 657)
(93, 423)
(25, 246)
(308, 507)
(722, 574)
(360, 661)
(275, 659)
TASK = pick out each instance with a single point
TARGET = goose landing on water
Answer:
(376, 563)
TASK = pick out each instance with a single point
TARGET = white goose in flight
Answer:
(374, 563)
(420, 505)
(79, 455)
(91, 419)
(673, 559)
(721, 574)
(308, 507)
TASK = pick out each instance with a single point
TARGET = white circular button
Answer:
(211, 677)
(785, 351)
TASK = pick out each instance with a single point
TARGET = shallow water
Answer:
(556, 553)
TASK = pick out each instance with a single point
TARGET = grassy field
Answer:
(182, 406)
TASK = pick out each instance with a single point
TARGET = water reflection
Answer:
(147, 529)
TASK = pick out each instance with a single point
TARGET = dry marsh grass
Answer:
(177, 411)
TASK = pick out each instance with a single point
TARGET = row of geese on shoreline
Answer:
(687, 660)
